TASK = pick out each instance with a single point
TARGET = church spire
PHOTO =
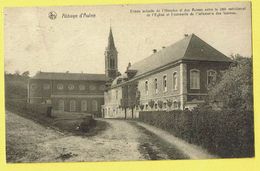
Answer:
(111, 67)
(111, 44)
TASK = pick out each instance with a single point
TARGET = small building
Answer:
(71, 92)
(173, 78)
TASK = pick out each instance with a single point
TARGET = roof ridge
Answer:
(191, 36)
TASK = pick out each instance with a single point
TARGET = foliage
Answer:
(235, 88)
(16, 86)
(169, 102)
(151, 103)
(160, 103)
(227, 133)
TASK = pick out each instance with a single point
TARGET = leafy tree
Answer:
(235, 88)
(151, 103)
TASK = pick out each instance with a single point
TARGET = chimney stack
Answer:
(186, 35)
(154, 50)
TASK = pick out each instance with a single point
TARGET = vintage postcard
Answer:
(128, 82)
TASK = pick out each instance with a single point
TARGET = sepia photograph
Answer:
(128, 82)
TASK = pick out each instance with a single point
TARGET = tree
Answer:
(151, 103)
(26, 74)
(235, 88)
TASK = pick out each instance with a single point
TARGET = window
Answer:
(164, 83)
(72, 105)
(102, 87)
(71, 87)
(61, 105)
(194, 79)
(82, 87)
(33, 86)
(146, 87)
(116, 94)
(156, 85)
(94, 105)
(211, 76)
(84, 105)
(46, 86)
(174, 81)
(92, 87)
(112, 63)
(60, 86)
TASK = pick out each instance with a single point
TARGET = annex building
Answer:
(173, 78)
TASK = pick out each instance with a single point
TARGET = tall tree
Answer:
(235, 87)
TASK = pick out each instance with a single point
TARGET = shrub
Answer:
(228, 133)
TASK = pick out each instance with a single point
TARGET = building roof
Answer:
(111, 43)
(189, 48)
(69, 76)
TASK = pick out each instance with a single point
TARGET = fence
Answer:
(228, 133)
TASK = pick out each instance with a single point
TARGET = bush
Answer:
(228, 133)
(87, 124)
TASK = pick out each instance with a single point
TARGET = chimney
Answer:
(129, 64)
(163, 47)
(154, 50)
(186, 35)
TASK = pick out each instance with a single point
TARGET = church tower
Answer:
(111, 68)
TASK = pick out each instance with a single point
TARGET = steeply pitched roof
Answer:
(189, 48)
(111, 43)
(69, 76)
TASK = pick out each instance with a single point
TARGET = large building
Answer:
(71, 92)
(174, 78)
(75, 92)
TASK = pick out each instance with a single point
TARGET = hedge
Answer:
(228, 133)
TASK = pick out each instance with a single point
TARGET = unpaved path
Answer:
(28, 141)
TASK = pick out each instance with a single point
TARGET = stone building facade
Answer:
(71, 92)
(175, 78)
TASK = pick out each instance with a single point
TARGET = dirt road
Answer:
(28, 141)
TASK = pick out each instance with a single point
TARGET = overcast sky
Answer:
(34, 42)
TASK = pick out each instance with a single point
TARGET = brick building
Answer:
(176, 77)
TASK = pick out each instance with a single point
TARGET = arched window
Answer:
(61, 105)
(73, 105)
(194, 79)
(94, 106)
(82, 87)
(146, 87)
(84, 105)
(71, 87)
(211, 76)
(164, 83)
(112, 63)
(60, 86)
(156, 85)
(174, 81)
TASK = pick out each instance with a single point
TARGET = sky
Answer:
(34, 42)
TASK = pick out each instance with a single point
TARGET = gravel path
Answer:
(122, 140)
(190, 150)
